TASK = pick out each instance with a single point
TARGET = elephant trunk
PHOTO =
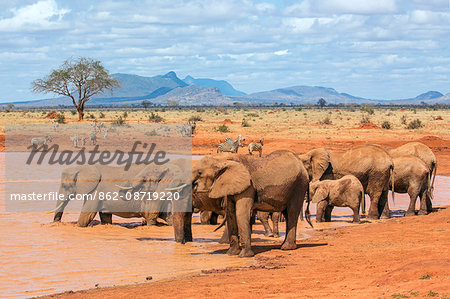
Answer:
(224, 205)
(221, 224)
(59, 210)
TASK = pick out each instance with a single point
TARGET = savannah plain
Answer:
(402, 257)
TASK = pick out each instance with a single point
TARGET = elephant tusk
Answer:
(177, 188)
(124, 188)
(57, 208)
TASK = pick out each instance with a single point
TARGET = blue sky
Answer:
(383, 49)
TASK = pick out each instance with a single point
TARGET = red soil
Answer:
(52, 115)
(227, 121)
(369, 125)
(393, 258)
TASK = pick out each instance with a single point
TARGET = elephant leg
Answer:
(244, 208)
(225, 239)
(320, 210)
(275, 219)
(328, 211)
(412, 204)
(356, 218)
(292, 212)
(423, 204)
(85, 218)
(105, 218)
(60, 211)
(188, 227)
(181, 220)
(205, 217)
(383, 206)
(264, 218)
(233, 234)
(428, 201)
(373, 209)
(214, 218)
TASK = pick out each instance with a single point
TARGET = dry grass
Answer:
(276, 123)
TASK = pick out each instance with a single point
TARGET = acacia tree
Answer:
(78, 79)
(321, 103)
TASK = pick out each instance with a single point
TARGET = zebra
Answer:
(36, 141)
(92, 138)
(101, 126)
(83, 141)
(256, 147)
(75, 140)
(55, 125)
(231, 140)
(105, 135)
(229, 147)
(94, 125)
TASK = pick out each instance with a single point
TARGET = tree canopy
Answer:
(78, 79)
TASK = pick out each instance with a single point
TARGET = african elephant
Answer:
(241, 184)
(264, 218)
(412, 176)
(371, 164)
(422, 152)
(344, 192)
(103, 181)
(209, 217)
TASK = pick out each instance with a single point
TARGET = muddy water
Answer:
(38, 257)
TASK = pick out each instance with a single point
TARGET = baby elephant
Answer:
(345, 192)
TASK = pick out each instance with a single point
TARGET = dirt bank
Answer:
(388, 259)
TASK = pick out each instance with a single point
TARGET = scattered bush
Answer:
(125, 114)
(119, 121)
(200, 110)
(245, 123)
(155, 118)
(386, 125)
(403, 119)
(252, 114)
(151, 133)
(102, 115)
(415, 124)
(365, 119)
(91, 116)
(326, 121)
(195, 118)
(223, 129)
(298, 109)
(73, 112)
(367, 109)
(60, 118)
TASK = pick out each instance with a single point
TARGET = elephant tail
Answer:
(221, 224)
(431, 182)
(307, 213)
(391, 172)
(363, 202)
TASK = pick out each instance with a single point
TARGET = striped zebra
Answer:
(37, 141)
(230, 145)
(252, 147)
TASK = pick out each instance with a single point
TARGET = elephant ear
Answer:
(87, 179)
(231, 178)
(319, 160)
(320, 194)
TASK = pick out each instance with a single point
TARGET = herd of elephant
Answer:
(238, 186)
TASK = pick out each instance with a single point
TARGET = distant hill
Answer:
(190, 91)
(302, 95)
(224, 87)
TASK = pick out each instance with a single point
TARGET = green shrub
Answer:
(223, 129)
(195, 118)
(60, 118)
(245, 123)
(326, 121)
(102, 115)
(403, 119)
(73, 112)
(415, 124)
(125, 114)
(365, 119)
(386, 125)
(155, 118)
(119, 121)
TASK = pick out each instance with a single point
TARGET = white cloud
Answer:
(40, 15)
(366, 7)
